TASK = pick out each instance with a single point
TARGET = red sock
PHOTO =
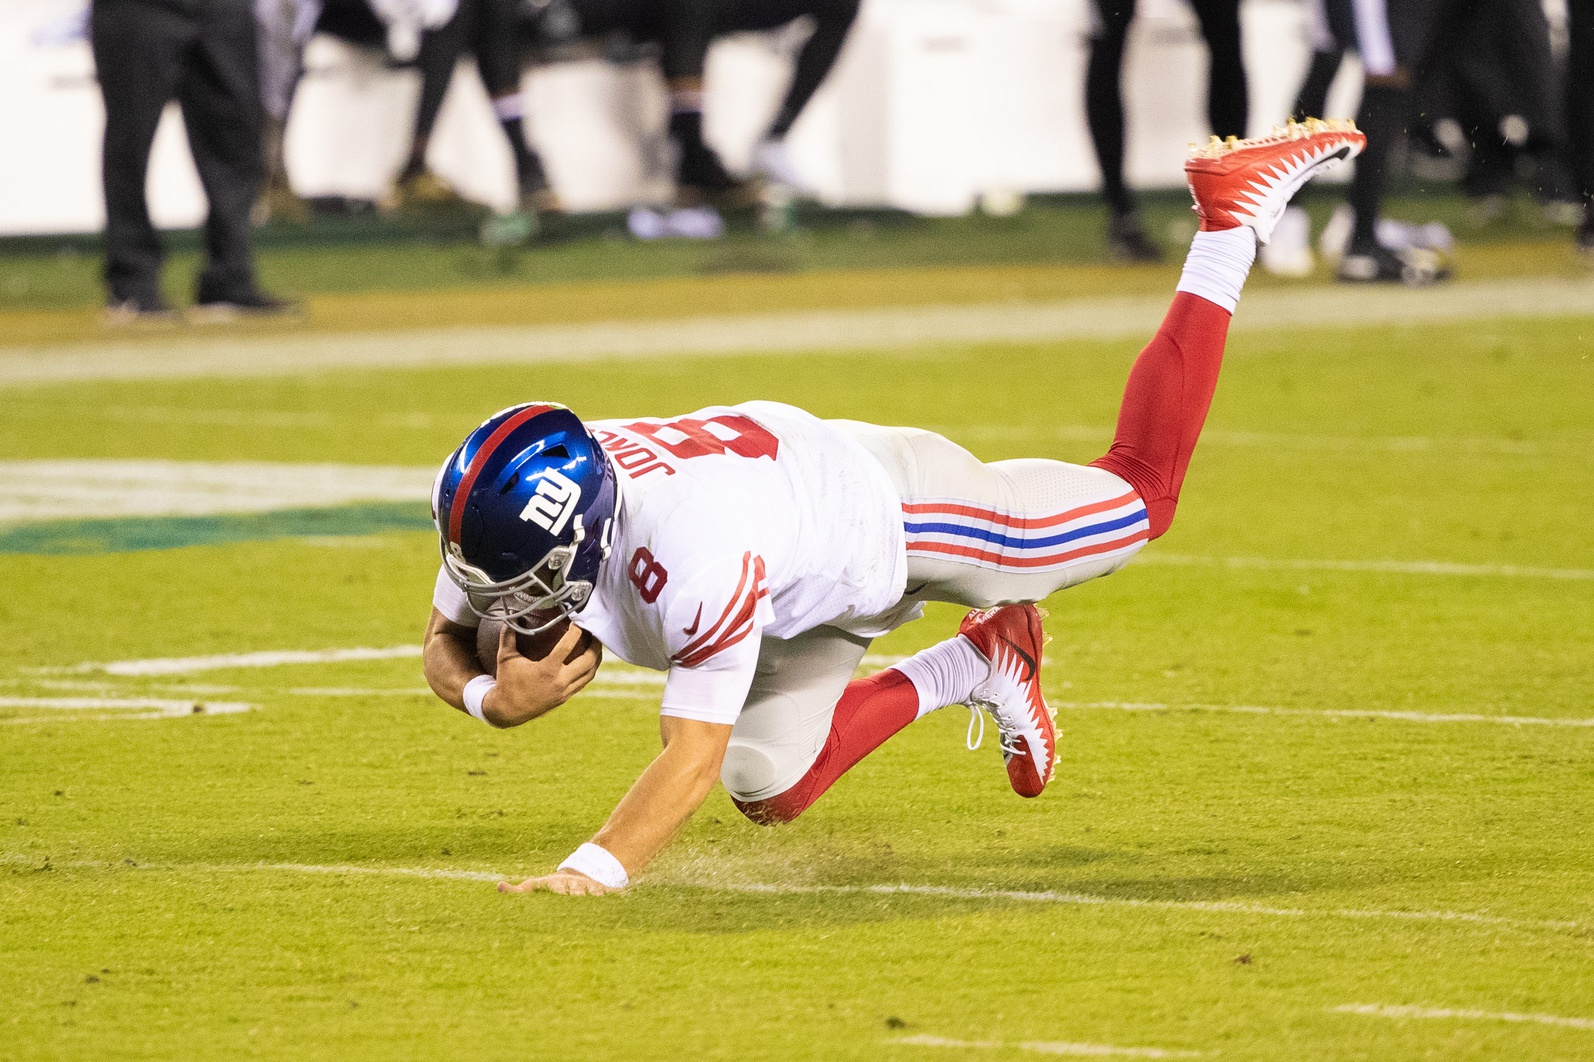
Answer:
(1165, 403)
(870, 711)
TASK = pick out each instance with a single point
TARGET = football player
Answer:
(753, 551)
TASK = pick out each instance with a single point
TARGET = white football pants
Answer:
(977, 534)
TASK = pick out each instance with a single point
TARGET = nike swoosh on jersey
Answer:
(689, 631)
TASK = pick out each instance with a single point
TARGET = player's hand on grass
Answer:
(563, 882)
(529, 687)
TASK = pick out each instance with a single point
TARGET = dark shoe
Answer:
(1127, 240)
(253, 303)
(278, 202)
(1377, 264)
(424, 191)
(701, 179)
(139, 310)
(531, 179)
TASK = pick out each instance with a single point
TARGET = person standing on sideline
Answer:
(1580, 111)
(203, 54)
(1227, 106)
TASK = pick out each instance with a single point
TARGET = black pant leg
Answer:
(440, 50)
(1104, 99)
(220, 96)
(688, 29)
(138, 54)
(1580, 97)
(1312, 99)
(497, 51)
(1228, 102)
(833, 20)
(1417, 28)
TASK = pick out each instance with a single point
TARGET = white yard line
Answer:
(402, 872)
(100, 717)
(356, 691)
(1444, 445)
(1330, 713)
(1391, 567)
(620, 682)
(1048, 897)
(51, 490)
(626, 683)
(253, 418)
(1105, 317)
(119, 708)
(187, 665)
(1046, 1047)
(1380, 1010)
(1086, 900)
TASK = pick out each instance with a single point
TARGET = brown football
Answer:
(534, 646)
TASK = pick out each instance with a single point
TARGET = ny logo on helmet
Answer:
(556, 499)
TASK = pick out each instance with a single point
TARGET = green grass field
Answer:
(1327, 776)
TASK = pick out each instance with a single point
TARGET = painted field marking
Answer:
(403, 872)
(617, 682)
(250, 418)
(1280, 440)
(614, 674)
(117, 708)
(187, 665)
(52, 490)
(934, 891)
(225, 418)
(359, 691)
(350, 870)
(1380, 1010)
(880, 328)
(1087, 900)
(1047, 1047)
(1330, 713)
(1392, 567)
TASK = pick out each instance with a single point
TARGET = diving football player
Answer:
(753, 551)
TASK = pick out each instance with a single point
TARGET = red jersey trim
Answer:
(735, 623)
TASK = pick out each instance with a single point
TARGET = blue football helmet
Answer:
(525, 515)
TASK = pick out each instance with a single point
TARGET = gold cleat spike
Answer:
(1043, 614)
(1216, 148)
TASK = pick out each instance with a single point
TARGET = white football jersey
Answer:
(736, 522)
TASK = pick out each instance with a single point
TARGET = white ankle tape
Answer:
(1218, 264)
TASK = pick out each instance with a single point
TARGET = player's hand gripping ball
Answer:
(535, 673)
(530, 646)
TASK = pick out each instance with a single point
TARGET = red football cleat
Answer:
(1250, 182)
(1011, 639)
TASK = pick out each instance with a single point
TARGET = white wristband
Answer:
(599, 864)
(476, 691)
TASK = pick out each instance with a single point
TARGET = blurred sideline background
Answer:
(933, 105)
(949, 133)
